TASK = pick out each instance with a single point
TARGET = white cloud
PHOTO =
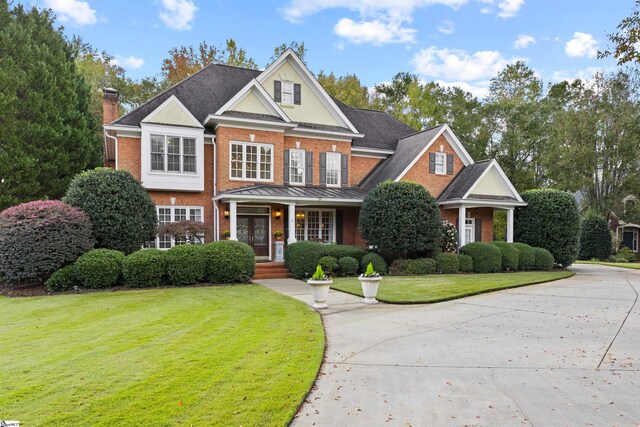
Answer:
(509, 8)
(582, 44)
(75, 11)
(447, 27)
(479, 90)
(339, 45)
(130, 62)
(523, 41)
(456, 64)
(178, 14)
(375, 32)
(571, 75)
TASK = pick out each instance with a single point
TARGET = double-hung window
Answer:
(169, 214)
(441, 163)
(316, 225)
(333, 169)
(287, 92)
(173, 154)
(251, 162)
(296, 166)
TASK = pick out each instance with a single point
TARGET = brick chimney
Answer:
(109, 105)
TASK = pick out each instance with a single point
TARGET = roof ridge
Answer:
(422, 131)
(371, 172)
(372, 110)
(444, 190)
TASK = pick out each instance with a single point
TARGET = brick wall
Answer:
(361, 166)
(317, 146)
(129, 155)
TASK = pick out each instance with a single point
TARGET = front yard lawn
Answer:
(228, 355)
(437, 288)
(634, 265)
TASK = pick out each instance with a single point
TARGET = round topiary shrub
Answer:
(185, 265)
(449, 237)
(62, 280)
(486, 257)
(551, 221)
(595, 238)
(348, 266)
(527, 256)
(301, 258)
(412, 267)
(378, 262)
(121, 211)
(99, 268)
(466, 263)
(544, 259)
(329, 265)
(339, 251)
(510, 256)
(38, 238)
(229, 261)
(401, 218)
(144, 269)
(447, 263)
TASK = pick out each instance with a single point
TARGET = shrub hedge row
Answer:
(301, 258)
(486, 257)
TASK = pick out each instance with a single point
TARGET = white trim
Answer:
(318, 135)
(481, 203)
(249, 127)
(443, 156)
(370, 156)
(184, 109)
(306, 228)
(311, 81)
(501, 177)
(472, 226)
(285, 200)
(259, 145)
(319, 132)
(365, 150)
(453, 142)
(304, 166)
(264, 97)
(264, 123)
(115, 145)
(172, 208)
(326, 177)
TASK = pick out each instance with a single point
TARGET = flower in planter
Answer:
(370, 271)
(226, 233)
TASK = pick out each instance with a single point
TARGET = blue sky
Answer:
(463, 42)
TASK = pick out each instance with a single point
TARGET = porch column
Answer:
(233, 220)
(510, 225)
(292, 223)
(462, 216)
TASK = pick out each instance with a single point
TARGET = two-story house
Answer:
(253, 152)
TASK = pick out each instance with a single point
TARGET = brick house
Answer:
(253, 152)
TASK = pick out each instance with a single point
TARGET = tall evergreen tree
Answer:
(47, 131)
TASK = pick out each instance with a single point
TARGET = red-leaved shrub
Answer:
(38, 238)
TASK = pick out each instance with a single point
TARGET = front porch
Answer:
(628, 235)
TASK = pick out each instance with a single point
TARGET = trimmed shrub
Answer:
(229, 261)
(449, 237)
(413, 267)
(301, 258)
(121, 211)
(486, 257)
(510, 255)
(378, 262)
(466, 263)
(99, 268)
(348, 266)
(544, 259)
(144, 269)
(617, 259)
(527, 256)
(627, 254)
(550, 221)
(401, 218)
(185, 265)
(38, 238)
(339, 251)
(447, 263)
(62, 280)
(329, 265)
(398, 267)
(595, 238)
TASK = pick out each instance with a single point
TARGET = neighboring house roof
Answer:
(466, 178)
(307, 193)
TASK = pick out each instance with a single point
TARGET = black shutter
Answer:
(296, 93)
(339, 226)
(286, 166)
(345, 170)
(277, 90)
(449, 164)
(323, 168)
(308, 165)
(432, 162)
(478, 230)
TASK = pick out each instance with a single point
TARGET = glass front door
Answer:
(254, 231)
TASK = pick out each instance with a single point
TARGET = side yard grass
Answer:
(437, 288)
(229, 355)
(633, 265)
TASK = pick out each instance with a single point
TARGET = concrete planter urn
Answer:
(320, 292)
(370, 288)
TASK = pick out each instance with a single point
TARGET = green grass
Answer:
(228, 355)
(634, 265)
(437, 288)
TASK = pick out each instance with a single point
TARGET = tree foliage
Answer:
(347, 89)
(47, 130)
(626, 42)
(298, 48)
(595, 238)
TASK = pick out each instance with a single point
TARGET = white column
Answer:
(462, 216)
(233, 221)
(510, 225)
(292, 223)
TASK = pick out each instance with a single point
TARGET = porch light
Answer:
(300, 215)
(226, 213)
(278, 213)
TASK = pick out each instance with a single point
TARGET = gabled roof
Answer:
(253, 87)
(466, 178)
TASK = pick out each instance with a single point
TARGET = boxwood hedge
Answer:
(447, 263)
(348, 266)
(99, 268)
(378, 262)
(527, 256)
(185, 265)
(510, 255)
(228, 261)
(486, 257)
(329, 265)
(544, 259)
(62, 280)
(466, 263)
(412, 267)
(144, 269)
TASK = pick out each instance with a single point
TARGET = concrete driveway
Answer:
(565, 353)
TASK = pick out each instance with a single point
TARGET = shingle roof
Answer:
(257, 116)
(407, 150)
(291, 192)
(463, 182)
(380, 129)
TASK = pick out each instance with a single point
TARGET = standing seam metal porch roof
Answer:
(293, 192)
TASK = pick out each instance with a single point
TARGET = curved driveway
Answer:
(565, 353)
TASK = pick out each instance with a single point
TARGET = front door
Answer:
(254, 231)
(630, 239)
